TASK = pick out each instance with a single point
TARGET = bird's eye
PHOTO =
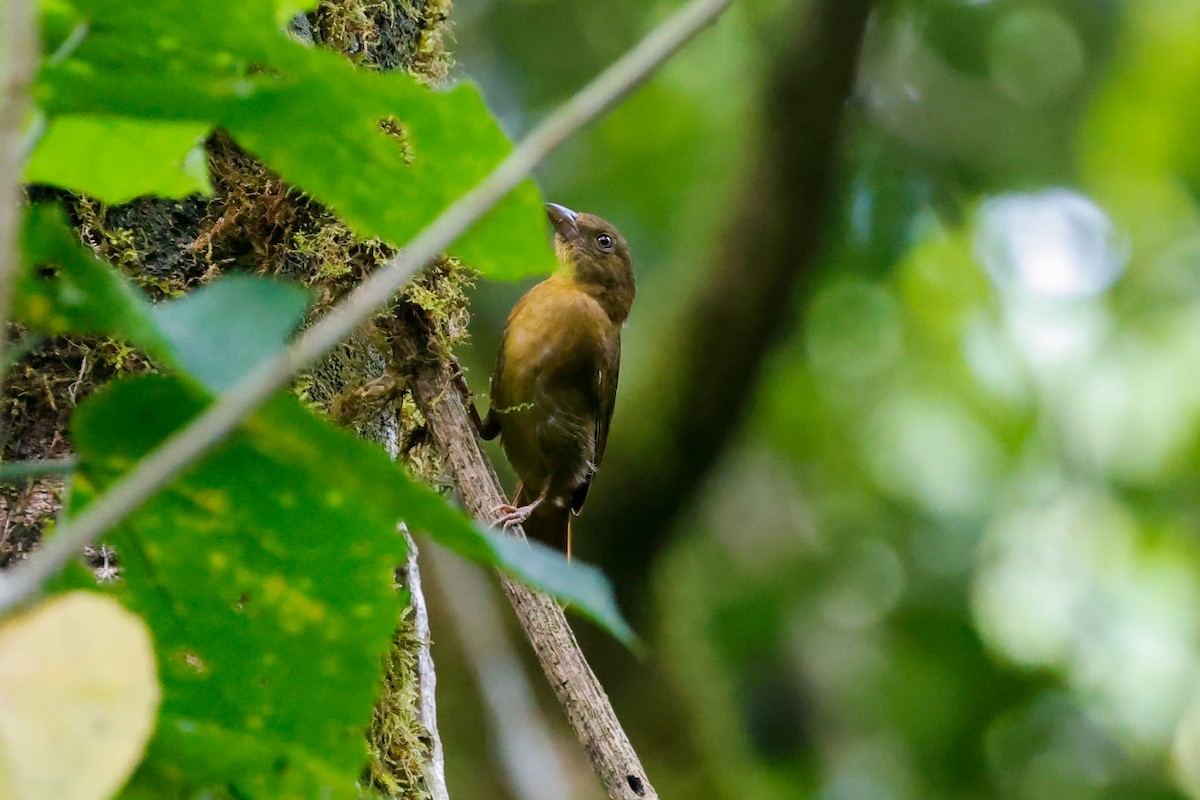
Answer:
(605, 242)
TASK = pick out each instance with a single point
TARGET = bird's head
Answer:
(594, 254)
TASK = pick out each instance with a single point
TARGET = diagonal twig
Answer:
(191, 443)
(520, 735)
(19, 51)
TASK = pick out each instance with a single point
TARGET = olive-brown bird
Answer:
(556, 375)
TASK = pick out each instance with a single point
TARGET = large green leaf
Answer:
(215, 334)
(306, 112)
(116, 159)
(228, 765)
(265, 572)
(223, 330)
(64, 288)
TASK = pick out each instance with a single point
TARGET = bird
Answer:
(555, 381)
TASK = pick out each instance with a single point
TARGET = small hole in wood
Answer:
(635, 783)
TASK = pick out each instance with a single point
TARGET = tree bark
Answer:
(580, 693)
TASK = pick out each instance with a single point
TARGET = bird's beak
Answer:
(564, 220)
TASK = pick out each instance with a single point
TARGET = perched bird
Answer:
(556, 375)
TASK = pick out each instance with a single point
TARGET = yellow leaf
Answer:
(78, 697)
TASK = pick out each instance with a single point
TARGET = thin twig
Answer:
(426, 675)
(186, 446)
(16, 471)
(567, 670)
(19, 49)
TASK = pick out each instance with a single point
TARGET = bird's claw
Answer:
(507, 516)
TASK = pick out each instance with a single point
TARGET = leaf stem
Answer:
(15, 471)
(186, 446)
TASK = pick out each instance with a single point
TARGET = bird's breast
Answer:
(554, 335)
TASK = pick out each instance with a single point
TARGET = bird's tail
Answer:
(549, 523)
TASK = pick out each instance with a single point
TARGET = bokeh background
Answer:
(902, 489)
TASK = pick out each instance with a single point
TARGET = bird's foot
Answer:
(507, 515)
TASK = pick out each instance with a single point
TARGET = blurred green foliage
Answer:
(955, 551)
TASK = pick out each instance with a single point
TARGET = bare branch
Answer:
(518, 730)
(19, 49)
(186, 446)
(580, 693)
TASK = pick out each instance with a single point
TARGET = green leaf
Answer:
(64, 288)
(285, 10)
(266, 572)
(582, 586)
(220, 332)
(293, 432)
(216, 334)
(309, 114)
(116, 159)
(219, 760)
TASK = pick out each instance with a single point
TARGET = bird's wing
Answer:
(605, 386)
(606, 393)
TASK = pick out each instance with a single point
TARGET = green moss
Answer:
(120, 246)
(116, 245)
(399, 748)
(388, 34)
(330, 251)
(441, 290)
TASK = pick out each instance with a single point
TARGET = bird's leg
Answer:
(508, 515)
